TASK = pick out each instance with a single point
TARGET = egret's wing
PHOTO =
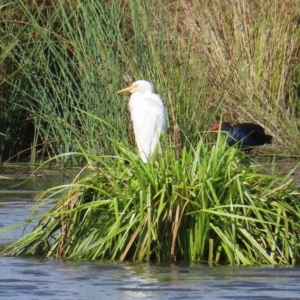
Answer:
(149, 119)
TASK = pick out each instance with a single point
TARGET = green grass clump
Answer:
(201, 204)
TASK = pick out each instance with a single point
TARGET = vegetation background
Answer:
(63, 61)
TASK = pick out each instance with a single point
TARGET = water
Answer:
(34, 279)
(17, 196)
(49, 279)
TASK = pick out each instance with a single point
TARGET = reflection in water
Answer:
(17, 198)
(51, 279)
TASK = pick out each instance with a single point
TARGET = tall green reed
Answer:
(64, 62)
(65, 70)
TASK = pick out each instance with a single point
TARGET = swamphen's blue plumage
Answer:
(246, 135)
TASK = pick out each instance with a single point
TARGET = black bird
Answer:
(246, 135)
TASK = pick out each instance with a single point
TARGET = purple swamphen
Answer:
(245, 135)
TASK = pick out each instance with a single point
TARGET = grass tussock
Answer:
(206, 205)
(63, 61)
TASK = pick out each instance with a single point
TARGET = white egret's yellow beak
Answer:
(128, 89)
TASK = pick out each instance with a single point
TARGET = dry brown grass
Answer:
(246, 53)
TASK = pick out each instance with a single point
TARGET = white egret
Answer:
(148, 116)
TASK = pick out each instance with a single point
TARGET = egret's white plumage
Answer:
(148, 115)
